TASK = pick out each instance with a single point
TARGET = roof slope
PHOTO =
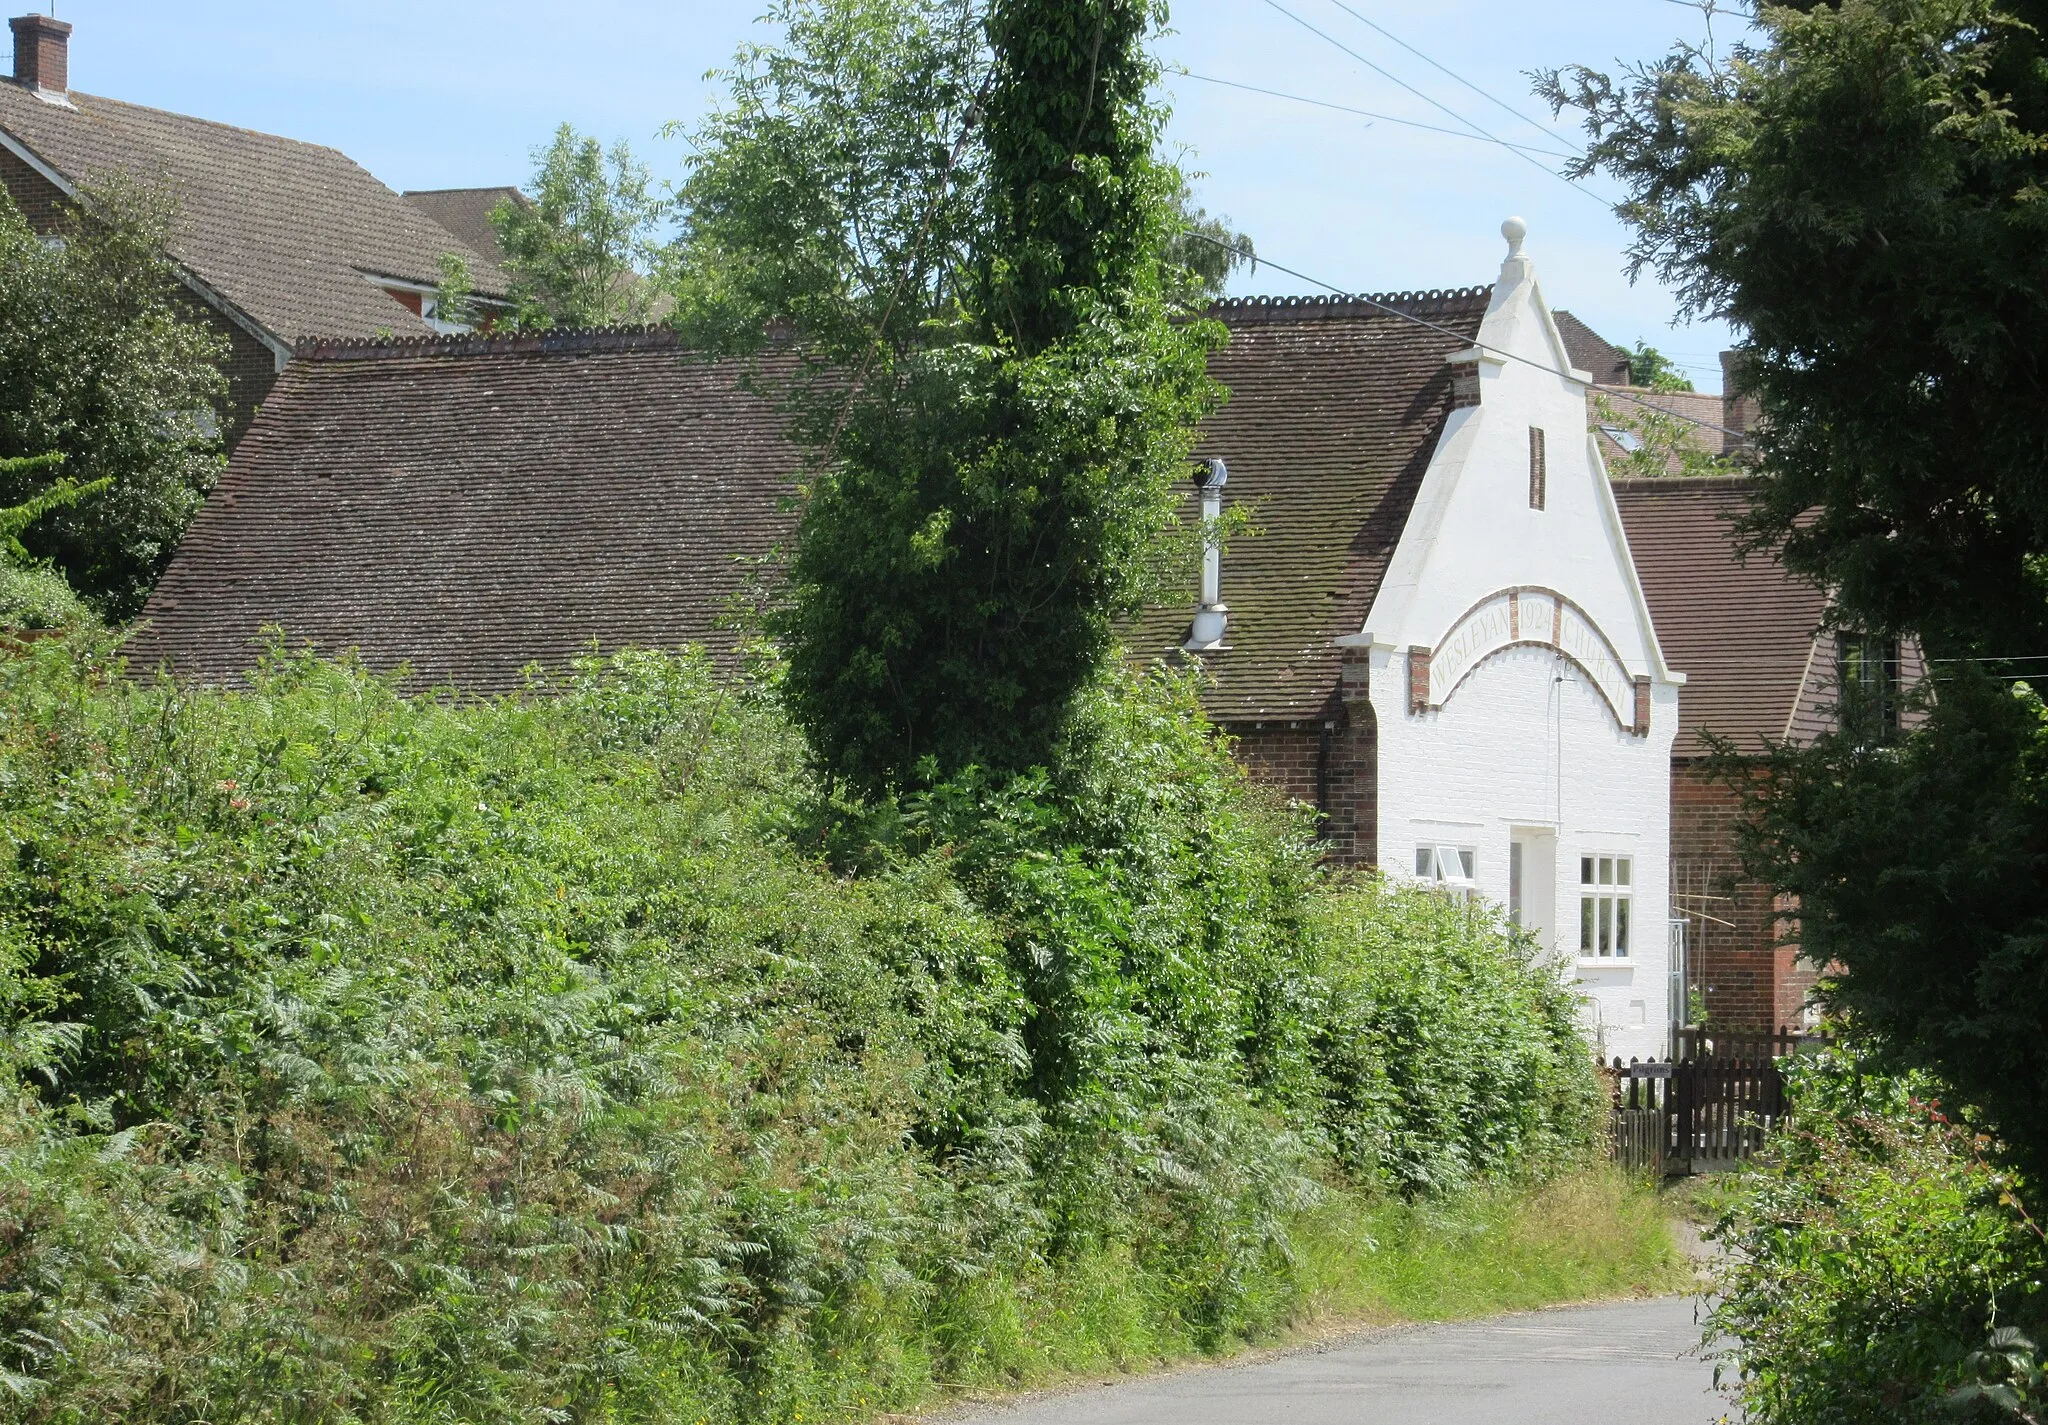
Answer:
(1742, 631)
(1591, 351)
(466, 212)
(472, 505)
(1699, 415)
(288, 232)
(1334, 411)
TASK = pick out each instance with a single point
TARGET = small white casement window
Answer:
(1604, 891)
(1452, 867)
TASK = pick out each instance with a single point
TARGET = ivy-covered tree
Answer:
(102, 362)
(1863, 191)
(962, 225)
(580, 245)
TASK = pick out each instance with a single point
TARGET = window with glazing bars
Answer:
(1604, 892)
(1539, 468)
(1868, 669)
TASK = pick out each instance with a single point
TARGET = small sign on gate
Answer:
(1649, 1071)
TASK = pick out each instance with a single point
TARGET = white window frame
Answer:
(1606, 905)
(1450, 867)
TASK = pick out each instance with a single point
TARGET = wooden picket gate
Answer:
(1708, 1107)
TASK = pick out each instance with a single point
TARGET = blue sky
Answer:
(450, 93)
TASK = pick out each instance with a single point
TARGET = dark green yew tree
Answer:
(1002, 393)
(1864, 193)
(1863, 190)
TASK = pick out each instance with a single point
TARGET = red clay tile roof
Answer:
(472, 505)
(1742, 632)
(1334, 412)
(1591, 351)
(289, 232)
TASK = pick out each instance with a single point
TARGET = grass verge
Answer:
(1359, 1261)
(1592, 1235)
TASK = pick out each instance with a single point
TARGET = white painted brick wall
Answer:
(1490, 758)
(1489, 761)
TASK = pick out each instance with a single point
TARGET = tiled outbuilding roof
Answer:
(472, 505)
(290, 233)
(1335, 408)
(1742, 631)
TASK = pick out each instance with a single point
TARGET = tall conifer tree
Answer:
(1005, 388)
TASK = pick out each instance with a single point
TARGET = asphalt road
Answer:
(1631, 1363)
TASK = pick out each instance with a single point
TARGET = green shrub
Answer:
(36, 597)
(1872, 1251)
(1450, 1048)
(409, 1058)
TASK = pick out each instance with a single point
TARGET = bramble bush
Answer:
(568, 1056)
(1873, 1252)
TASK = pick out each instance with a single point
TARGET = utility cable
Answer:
(1369, 114)
(1410, 317)
(1443, 108)
(1501, 104)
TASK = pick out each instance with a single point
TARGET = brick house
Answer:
(466, 212)
(283, 240)
(1437, 639)
(1761, 667)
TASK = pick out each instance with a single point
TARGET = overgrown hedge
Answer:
(569, 1056)
(1873, 1253)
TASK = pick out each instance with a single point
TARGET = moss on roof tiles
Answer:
(1335, 410)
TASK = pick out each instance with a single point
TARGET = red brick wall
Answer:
(36, 196)
(250, 367)
(1733, 923)
(1332, 764)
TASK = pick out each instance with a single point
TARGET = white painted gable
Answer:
(1472, 531)
(1525, 714)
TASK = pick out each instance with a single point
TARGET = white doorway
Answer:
(1532, 882)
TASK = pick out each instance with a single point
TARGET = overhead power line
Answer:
(1411, 318)
(1368, 114)
(1501, 104)
(1393, 78)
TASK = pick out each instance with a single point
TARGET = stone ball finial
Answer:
(1514, 230)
